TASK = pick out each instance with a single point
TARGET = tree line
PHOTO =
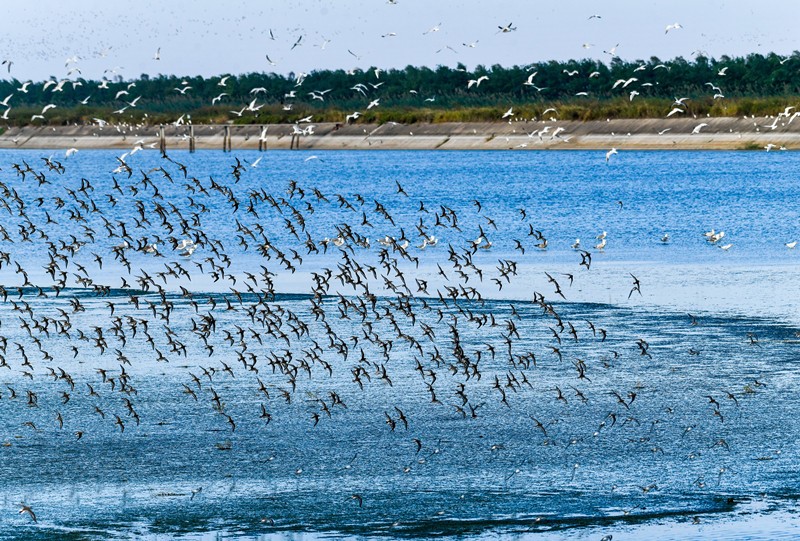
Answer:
(577, 89)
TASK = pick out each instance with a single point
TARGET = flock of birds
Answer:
(384, 299)
(383, 302)
(125, 94)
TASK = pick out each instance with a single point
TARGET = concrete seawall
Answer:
(718, 133)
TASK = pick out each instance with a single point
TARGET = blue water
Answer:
(282, 418)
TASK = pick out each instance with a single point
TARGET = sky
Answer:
(208, 38)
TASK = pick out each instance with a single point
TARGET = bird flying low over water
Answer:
(27, 509)
(361, 337)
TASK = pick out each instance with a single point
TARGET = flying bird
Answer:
(674, 26)
(27, 509)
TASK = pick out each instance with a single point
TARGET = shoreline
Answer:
(642, 134)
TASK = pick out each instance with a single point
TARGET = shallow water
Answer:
(629, 444)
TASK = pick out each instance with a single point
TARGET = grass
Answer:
(578, 108)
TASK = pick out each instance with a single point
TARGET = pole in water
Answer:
(191, 139)
(162, 140)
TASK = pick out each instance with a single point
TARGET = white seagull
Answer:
(674, 26)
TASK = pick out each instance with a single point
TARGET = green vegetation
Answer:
(751, 146)
(577, 89)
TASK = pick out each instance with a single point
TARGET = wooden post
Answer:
(261, 140)
(162, 140)
(191, 138)
(226, 140)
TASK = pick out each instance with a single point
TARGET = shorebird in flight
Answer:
(27, 509)
(507, 28)
(435, 28)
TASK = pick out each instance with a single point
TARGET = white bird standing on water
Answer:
(713, 239)
(791, 245)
